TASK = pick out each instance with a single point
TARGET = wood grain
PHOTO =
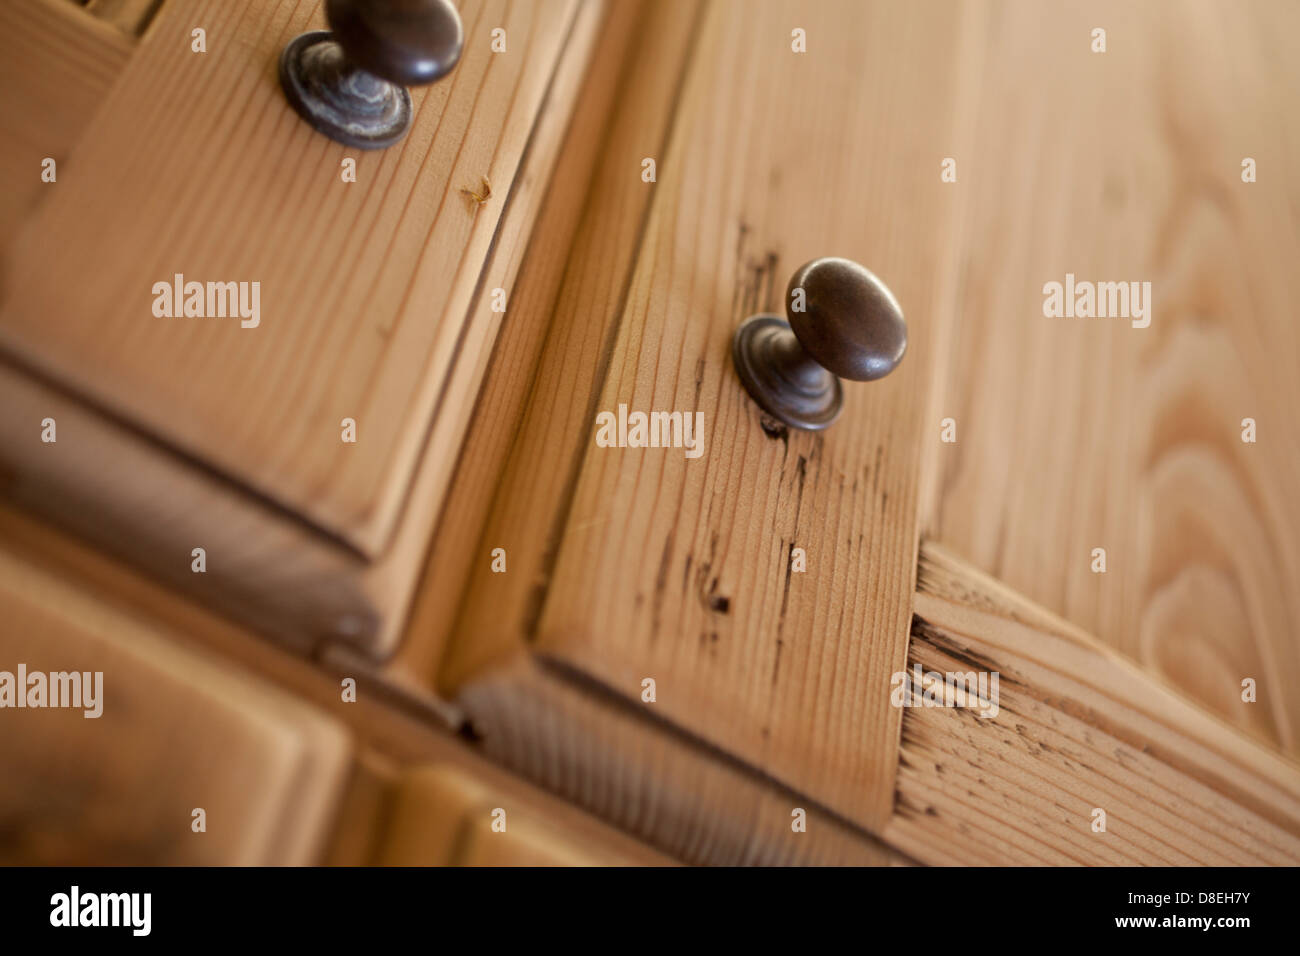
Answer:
(366, 287)
(555, 152)
(1075, 434)
(149, 502)
(582, 252)
(177, 731)
(56, 67)
(1078, 728)
(668, 788)
(583, 247)
(629, 564)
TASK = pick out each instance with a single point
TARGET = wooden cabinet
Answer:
(699, 647)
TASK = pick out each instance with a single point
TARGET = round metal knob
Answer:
(350, 84)
(843, 321)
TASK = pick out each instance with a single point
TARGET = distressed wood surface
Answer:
(1083, 433)
(573, 277)
(629, 564)
(582, 253)
(366, 287)
(772, 687)
(1078, 728)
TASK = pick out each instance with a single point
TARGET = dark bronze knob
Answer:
(350, 84)
(844, 322)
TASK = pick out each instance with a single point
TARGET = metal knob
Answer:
(350, 84)
(844, 322)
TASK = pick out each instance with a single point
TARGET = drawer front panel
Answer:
(197, 167)
(650, 563)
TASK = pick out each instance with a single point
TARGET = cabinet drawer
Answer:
(625, 565)
(366, 310)
(132, 749)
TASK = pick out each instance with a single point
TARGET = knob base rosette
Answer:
(784, 381)
(339, 99)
